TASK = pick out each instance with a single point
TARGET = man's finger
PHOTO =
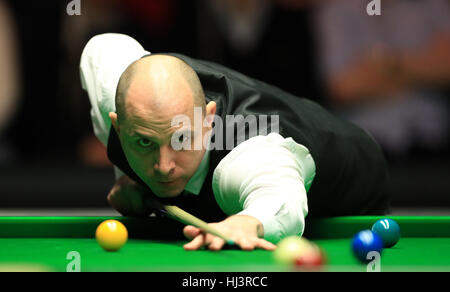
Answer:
(246, 244)
(196, 243)
(264, 244)
(121, 205)
(216, 243)
(190, 231)
(137, 204)
(150, 203)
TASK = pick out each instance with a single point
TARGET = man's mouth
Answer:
(166, 182)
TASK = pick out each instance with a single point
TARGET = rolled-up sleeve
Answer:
(103, 60)
(267, 177)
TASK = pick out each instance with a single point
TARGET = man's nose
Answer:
(165, 163)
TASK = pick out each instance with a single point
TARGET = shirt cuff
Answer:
(272, 228)
(279, 220)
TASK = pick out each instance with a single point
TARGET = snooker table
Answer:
(155, 244)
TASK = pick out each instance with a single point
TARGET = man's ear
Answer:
(115, 124)
(210, 112)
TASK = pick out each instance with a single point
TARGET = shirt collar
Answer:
(195, 184)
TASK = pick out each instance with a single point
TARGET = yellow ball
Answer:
(111, 235)
(290, 248)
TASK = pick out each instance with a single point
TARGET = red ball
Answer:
(312, 259)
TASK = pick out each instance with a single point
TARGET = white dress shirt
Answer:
(265, 177)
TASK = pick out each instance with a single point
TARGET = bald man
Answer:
(146, 109)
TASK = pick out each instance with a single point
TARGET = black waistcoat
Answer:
(351, 175)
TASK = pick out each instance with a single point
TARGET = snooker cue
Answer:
(188, 219)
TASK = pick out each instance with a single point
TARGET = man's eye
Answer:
(145, 143)
(182, 138)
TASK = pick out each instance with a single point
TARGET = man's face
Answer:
(147, 137)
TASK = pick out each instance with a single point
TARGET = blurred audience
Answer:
(242, 23)
(9, 77)
(388, 73)
(97, 15)
(250, 36)
(156, 23)
(39, 128)
(265, 39)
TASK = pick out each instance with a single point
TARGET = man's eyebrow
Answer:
(135, 133)
(184, 131)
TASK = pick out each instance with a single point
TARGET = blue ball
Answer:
(388, 230)
(364, 242)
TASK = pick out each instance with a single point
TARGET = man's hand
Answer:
(245, 231)
(128, 198)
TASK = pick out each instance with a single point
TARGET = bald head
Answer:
(158, 82)
(156, 103)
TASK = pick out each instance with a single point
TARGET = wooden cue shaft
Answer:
(189, 219)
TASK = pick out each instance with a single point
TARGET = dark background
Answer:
(50, 157)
